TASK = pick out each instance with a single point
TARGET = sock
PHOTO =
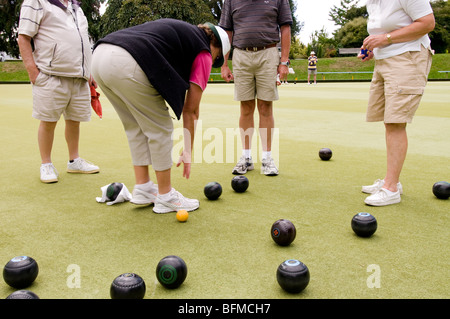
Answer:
(266, 154)
(389, 192)
(146, 187)
(47, 164)
(247, 153)
(71, 161)
(166, 197)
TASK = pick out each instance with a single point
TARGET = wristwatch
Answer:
(285, 63)
(388, 37)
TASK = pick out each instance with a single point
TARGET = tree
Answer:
(321, 44)
(352, 21)
(9, 22)
(297, 49)
(215, 6)
(346, 12)
(122, 14)
(352, 34)
(91, 9)
(297, 26)
(440, 36)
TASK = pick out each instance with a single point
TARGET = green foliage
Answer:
(15, 71)
(440, 36)
(441, 62)
(296, 26)
(91, 9)
(215, 6)
(353, 33)
(122, 14)
(321, 44)
(9, 21)
(347, 11)
(297, 50)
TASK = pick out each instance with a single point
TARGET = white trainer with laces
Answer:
(80, 165)
(143, 198)
(268, 167)
(375, 187)
(243, 165)
(383, 197)
(175, 203)
(49, 174)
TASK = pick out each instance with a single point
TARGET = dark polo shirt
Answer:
(255, 23)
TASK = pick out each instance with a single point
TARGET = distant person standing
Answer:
(312, 67)
(255, 28)
(398, 40)
(59, 69)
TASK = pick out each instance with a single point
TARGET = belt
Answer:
(255, 49)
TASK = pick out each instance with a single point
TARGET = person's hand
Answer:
(375, 41)
(283, 71)
(92, 82)
(185, 158)
(278, 80)
(226, 74)
(365, 55)
(33, 75)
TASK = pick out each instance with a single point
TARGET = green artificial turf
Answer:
(226, 243)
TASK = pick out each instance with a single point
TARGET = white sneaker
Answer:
(268, 167)
(175, 203)
(383, 197)
(143, 198)
(49, 174)
(243, 165)
(80, 165)
(372, 189)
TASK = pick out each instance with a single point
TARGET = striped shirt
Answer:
(60, 36)
(312, 63)
(255, 23)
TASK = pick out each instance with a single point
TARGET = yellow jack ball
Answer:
(182, 215)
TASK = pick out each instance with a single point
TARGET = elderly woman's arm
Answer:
(190, 117)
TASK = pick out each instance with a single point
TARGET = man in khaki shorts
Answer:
(401, 47)
(255, 31)
(59, 70)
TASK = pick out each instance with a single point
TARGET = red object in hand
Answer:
(95, 102)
